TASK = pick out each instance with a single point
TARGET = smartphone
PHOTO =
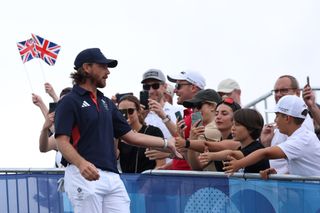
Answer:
(178, 115)
(195, 117)
(308, 81)
(52, 106)
(179, 118)
(144, 96)
(120, 95)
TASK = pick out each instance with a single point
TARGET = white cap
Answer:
(190, 76)
(292, 105)
(170, 90)
(228, 85)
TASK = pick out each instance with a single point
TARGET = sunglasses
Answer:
(126, 112)
(178, 86)
(154, 86)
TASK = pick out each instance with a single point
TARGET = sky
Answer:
(253, 42)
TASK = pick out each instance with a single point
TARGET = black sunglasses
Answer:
(154, 86)
(125, 112)
(178, 86)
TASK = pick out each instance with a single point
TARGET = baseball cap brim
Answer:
(191, 103)
(175, 78)
(225, 90)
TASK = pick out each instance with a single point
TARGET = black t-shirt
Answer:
(257, 167)
(219, 164)
(132, 158)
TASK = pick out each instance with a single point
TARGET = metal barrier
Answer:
(262, 104)
(34, 191)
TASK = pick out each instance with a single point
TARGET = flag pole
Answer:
(28, 77)
(43, 74)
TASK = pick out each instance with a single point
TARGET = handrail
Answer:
(169, 172)
(264, 98)
(236, 175)
(31, 170)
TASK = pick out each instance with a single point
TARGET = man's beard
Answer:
(95, 80)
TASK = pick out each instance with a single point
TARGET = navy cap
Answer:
(93, 55)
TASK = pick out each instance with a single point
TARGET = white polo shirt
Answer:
(281, 165)
(302, 149)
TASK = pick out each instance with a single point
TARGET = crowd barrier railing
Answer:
(35, 191)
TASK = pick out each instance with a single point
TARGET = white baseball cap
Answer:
(190, 76)
(227, 85)
(292, 105)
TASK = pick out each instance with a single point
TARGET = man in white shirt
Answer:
(301, 149)
(270, 135)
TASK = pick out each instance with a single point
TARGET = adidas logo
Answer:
(85, 104)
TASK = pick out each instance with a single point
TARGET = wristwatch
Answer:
(187, 145)
(166, 119)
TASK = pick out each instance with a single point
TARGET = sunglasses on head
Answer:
(228, 100)
(154, 86)
(178, 86)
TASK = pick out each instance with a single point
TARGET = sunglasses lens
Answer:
(178, 86)
(155, 86)
(124, 113)
(130, 111)
(146, 87)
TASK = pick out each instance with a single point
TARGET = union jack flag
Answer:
(27, 50)
(47, 50)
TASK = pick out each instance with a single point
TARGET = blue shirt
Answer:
(92, 124)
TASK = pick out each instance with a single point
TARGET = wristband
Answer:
(165, 144)
(166, 119)
(187, 145)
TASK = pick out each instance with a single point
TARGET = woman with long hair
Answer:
(132, 159)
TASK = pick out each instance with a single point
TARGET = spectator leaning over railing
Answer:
(301, 149)
(270, 135)
(247, 126)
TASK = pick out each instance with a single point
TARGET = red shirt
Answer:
(178, 164)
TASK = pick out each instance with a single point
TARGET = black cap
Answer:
(93, 55)
(207, 95)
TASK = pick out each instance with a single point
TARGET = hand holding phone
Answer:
(196, 116)
(308, 81)
(144, 96)
(52, 106)
(179, 118)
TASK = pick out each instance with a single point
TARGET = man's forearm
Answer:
(68, 152)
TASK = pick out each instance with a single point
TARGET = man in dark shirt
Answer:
(86, 123)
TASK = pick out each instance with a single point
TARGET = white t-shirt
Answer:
(154, 120)
(281, 165)
(302, 149)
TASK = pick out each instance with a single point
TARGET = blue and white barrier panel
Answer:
(170, 191)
